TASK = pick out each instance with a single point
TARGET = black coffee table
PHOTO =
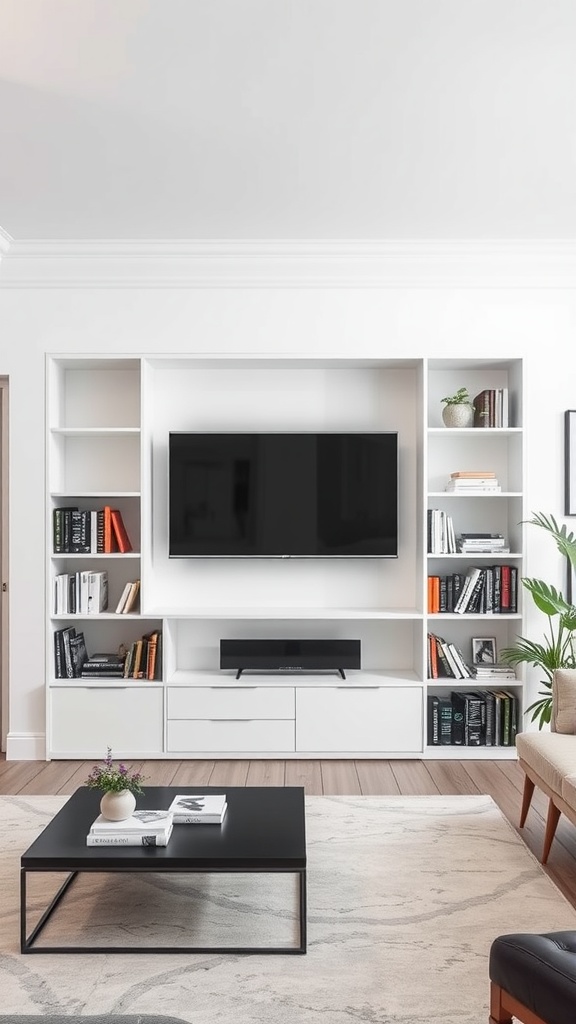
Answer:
(263, 831)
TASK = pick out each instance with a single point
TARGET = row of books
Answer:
(86, 593)
(441, 535)
(89, 531)
(154, 827)
(474, 718)
(446, 660)
(483, 590)
(144, 657)
(142, 660)
(81, 593)
(491, 408)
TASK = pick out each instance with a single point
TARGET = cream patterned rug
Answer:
(405, 895)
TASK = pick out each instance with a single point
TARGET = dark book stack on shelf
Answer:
(89, 531)
(473, 718)
(69, 653)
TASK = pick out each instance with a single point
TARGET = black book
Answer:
(68, 663)
(58, 532)
(458, 719)
(59, 670)
(433, 720)
(79, 653)
(445, 720)
(98, 661)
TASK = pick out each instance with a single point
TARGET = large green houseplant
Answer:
(557, 647)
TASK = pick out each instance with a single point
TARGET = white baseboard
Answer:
(26, 746)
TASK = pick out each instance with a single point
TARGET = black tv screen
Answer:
(283, 495)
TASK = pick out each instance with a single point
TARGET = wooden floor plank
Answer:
(53, 777)
(339, 778)
(20, 774)
(451, 777)
(230, 773)
(304, 773)
(376, 778)
(193, 773)
(266, 773)
(413, 778)
(159, 773)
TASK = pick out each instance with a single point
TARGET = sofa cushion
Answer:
(564, 700)
(551, 755)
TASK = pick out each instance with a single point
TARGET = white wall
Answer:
(506, 320)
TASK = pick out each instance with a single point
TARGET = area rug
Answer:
(405, 895)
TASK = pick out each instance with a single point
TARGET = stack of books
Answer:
(105, 666)
(482, 543)
(496, 671)
(144, 828)
(192, 809)
(473, 482)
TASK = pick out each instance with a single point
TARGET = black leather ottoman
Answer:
(533, 978)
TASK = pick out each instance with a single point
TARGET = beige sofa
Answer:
(549, 758)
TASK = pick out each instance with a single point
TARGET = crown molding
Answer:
(287, 264)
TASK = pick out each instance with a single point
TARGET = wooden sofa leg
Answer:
(526, 799)
(498, 1012)
(551, 825)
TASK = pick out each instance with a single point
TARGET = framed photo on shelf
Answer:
(570, 462)
(484, 650)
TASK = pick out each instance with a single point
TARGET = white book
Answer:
(130, 838)
(123, 596)
(464, 596)
(97, 592)
(198, 809)
(140, 821)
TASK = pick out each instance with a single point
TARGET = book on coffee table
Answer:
(143, 828)
(192, 809)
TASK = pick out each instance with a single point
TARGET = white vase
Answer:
(458, 415)
(118, 806)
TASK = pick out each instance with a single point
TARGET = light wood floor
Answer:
(502, 780)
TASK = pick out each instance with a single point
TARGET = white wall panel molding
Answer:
(288, 264)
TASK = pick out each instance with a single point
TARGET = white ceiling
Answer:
(324, 119)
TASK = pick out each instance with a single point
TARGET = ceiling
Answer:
(287, 119)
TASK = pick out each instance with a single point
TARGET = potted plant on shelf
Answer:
(118, 784)
(458, 410)
(557, 648)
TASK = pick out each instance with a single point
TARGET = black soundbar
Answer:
(289, 655)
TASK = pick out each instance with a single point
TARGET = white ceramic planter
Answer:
(118, 806)
(458, 415)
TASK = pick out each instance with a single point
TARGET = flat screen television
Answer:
(283, 495)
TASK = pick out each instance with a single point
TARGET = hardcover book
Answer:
(198, 809)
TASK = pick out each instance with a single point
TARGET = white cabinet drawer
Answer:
(230, 702)
(86, 720)
(352, 719)
(234, 737)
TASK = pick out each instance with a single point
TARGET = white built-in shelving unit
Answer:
(108, 422)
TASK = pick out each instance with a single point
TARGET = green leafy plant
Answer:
(557, 648)
(111, 778)
(461, 397)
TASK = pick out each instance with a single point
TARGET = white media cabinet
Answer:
(108, 421)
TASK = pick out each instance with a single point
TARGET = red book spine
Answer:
(505, 589)
(119, 531)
